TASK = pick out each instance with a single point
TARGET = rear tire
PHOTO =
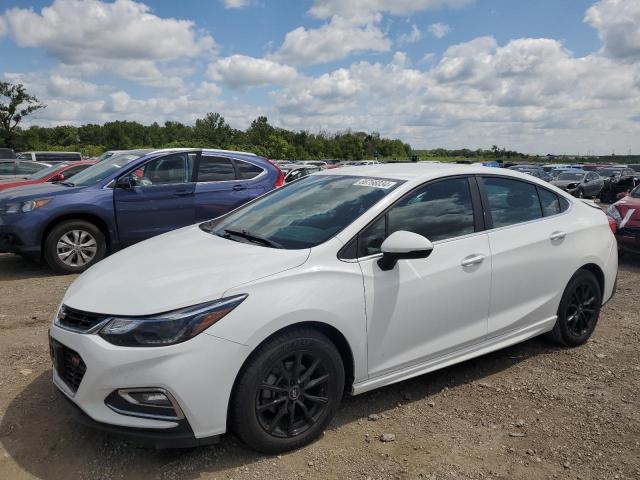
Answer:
(580, 193)
(578, 311)
(73, 246)
(288, 391)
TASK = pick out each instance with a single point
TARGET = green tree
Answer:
(15, 104)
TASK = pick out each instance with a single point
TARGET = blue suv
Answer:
(125, 199)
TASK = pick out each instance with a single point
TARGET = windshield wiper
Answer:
(251, 237)
(68, 184)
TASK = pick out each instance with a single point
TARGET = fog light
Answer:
(151, 398)
(155, 403)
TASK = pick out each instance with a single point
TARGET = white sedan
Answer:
(344, 281)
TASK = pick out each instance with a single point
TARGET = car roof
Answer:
(419, 171)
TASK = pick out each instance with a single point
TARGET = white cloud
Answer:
(239, 71)
(235, 3)
(332, 41)
(618, 25)
(439, 29)
(411, 37)
(124, 37)
(363, 8)
(71, 87)
(531, 94)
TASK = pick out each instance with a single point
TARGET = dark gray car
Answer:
(579, 183)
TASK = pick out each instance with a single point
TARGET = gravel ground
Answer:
(531, 411)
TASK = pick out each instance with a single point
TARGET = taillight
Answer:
(612, 224)
(280, 179)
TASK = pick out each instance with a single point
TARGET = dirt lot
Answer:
(532, 411)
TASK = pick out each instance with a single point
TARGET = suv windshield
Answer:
(304, 214)
(570, 176)
(102, 170)
(46, 172)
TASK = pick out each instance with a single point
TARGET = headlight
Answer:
(614, 213)
(23, 207)
(167, 328)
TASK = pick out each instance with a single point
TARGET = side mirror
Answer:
(124, 183)
(403, 245)
(57, 178)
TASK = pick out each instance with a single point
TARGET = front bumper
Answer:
(16, 239)
(199, 374)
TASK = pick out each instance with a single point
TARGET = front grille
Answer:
(69, 365)
(79, 320)
(630, 231)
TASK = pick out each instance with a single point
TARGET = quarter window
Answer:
(549, 201)
(215, 169)
(247, 170)
(511, 201)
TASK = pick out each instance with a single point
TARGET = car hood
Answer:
(629, 208)
(175, 270)
(18, 183)
(32, 192)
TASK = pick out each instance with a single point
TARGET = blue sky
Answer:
(543, 76)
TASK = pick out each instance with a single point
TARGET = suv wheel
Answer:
(579, 310)
(288, 392)
(73, 246)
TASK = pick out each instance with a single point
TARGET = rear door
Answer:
(530, 251)
(161, 198)
(223, 184)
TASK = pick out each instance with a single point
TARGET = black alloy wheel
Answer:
(293, 395)
(578, 311)
(288, 391)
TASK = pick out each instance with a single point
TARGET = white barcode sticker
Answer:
(375, 183)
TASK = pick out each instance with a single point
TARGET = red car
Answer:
(55, 173)
(626, 214)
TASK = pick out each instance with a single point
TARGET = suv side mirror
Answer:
(57, 178)
(403, 245)
(124, 183)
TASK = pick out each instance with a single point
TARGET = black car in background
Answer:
(618, 180)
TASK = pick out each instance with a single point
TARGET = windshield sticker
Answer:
(375, 183)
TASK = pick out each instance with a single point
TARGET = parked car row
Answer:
(127, 198)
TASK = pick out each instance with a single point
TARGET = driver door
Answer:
(426, 308)
(161, 198)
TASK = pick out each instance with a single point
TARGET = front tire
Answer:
(288, 391)
(578, 311)
(580, 193)
(73, 246)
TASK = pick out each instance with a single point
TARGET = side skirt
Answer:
(487, 346)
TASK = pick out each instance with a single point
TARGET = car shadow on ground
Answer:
(15, 267)
(38, 432)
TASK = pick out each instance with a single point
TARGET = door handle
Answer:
(557, 236)
(472, 260)
(237, 188)
(183, 193)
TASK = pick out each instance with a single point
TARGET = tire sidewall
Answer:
(566, 336)
(51, 241)
(245, 420)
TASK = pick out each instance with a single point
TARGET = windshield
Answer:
(104, 156)
(102, 170)
(635, 193)
(305, 213)
(46, 172)
(571, 176)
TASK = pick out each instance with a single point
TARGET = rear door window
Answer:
(215, 169)
(511, 201)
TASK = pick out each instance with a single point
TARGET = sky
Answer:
(543, 76)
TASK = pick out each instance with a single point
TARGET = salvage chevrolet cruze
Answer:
(344, 281)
